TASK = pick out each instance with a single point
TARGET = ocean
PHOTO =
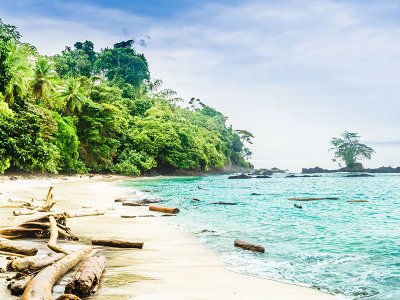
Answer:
(345, 248)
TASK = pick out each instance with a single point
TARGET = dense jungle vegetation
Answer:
(82, 110)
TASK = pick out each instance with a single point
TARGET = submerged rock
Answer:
(241, 176)
(360, 175)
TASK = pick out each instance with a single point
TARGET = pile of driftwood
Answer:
(35, 273)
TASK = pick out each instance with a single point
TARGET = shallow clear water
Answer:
(340, 247)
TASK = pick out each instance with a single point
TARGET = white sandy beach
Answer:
(172, 265)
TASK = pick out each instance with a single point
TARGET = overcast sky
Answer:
(294, 72)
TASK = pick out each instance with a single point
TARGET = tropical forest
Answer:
(85, 111)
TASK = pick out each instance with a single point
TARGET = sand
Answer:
(172, 265)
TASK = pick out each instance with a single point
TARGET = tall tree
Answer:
(73, 95)
(20, 70)
(349, 149)
(122, 64)
(44, 75)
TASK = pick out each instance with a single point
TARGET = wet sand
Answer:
(172, 265)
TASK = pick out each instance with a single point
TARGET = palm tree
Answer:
(73, 96)
(20, 70)
(43, 77)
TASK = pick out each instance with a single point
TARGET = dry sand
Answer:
(172, 264)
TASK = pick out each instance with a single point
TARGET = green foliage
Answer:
(84, 110)
(349, 149)
(123, 65)
(66, 140)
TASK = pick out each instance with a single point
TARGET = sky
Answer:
(295, 73)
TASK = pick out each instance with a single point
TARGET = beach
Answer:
(172, 264)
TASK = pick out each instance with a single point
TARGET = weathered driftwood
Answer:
(248, 246)
(52, 244)
(40, 287)
(118, 244)
(48, 203)
(87, 278)
(23, 212)
(21, 232)
(139, 216)
(68, 297)
(357, 200)
(168, 210)
(313, 199)
(83, 213)
(126, 203)
(17, 285)
(11, 255)
(33, 263)
(16, 247)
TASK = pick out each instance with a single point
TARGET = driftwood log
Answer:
(313, 199)
(83, 213)
(23, 212)
(248, 246)
(52, 244)
(68, 297)
(118, 244)
(33, 263)
(168, 210)
(139, 216)
(16, 247)
(40, 287)
(17, 285)
(87, 278)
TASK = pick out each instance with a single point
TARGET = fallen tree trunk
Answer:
(52, 244)
(33, 263)
(23, 212)
(313, 199)
(40, 287)
(83, 213)
(68, 297)
(16, 247)
(133, 204)
(168, 210)
(17, 286)
(87, 278)
(248, 246)
(139, 216)
(118, 244)
(20, 231)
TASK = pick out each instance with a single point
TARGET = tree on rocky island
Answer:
(349, 149)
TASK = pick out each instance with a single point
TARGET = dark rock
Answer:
(298, 206)
(256, 194)
(360, 175)
(241, 176)
(195, 199)
(263, 176)
(225, 203)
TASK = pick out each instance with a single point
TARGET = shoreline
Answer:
(172, 265)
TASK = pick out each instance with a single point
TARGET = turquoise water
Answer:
(352, 249)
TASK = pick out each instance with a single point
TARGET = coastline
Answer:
(172, 265)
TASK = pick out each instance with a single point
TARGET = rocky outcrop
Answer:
(351, 170)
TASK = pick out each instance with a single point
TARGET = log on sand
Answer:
(40, 287)
(18, 285)
(68, 297)
(33, 263)
(52, 244)
(23, 212)
(83, 213)
(248, 246)
(313, 199)
(16, 247)
(139, 216)
(118, 244)
(87, 278)
(168, 210)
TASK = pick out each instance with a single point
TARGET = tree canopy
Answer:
(348, 148)
(85, 110)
